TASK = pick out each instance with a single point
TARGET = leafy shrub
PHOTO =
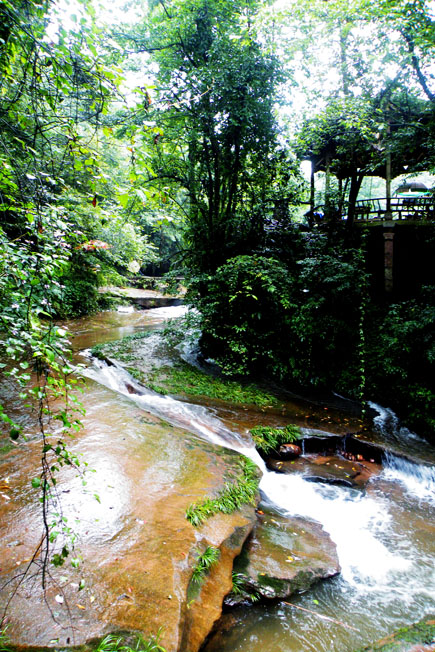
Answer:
(79, 295)
(245, 308)
(258, 317)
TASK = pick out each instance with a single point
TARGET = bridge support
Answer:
(388, 259)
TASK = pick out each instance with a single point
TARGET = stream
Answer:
(384, 534)
(384, 537)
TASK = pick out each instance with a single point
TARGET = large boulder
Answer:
(329, 469)
(283, 556)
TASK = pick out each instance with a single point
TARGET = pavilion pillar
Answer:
(388, 259)
(312, 187)
(388, 213)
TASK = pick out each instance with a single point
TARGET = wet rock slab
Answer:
(284, 556)
(329, 469)
(137, 549)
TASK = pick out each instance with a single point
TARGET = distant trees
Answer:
(366, 71)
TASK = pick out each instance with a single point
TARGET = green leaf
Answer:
(14, 433)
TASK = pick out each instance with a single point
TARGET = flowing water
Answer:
(384, 534)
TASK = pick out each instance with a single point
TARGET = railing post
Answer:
(388, 259)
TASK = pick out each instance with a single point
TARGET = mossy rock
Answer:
(413, 638)
(282, 557)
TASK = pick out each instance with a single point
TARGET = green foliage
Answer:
(401, 360)
(127, 243)
(230, 498)
(115, 643)
(209, 136)
(79, 294)
(260, 316)
(245, 307)
(204, 562)
(48, 88)
(267, 439)
(241, 587)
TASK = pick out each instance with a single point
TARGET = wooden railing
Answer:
(402, 208)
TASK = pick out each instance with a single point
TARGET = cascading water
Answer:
(388, 424)
(196, 418)
(418, 479)
(386, 578)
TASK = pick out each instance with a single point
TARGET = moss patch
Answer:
(182, 378)
(401, 641)
(121, 350)
(178, 377)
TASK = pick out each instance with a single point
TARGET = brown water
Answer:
(385, 535)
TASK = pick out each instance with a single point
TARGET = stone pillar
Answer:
(388, 260)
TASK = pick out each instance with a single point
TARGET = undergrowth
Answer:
(114, 643)
(268, 439)
(231, 498)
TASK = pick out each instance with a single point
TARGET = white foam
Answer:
(418, 479)
(352, 520)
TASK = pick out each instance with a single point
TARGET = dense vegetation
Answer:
(194, 166)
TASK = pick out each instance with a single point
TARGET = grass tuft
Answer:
(231, 498)
(268, 439)
(241, 587)
(204, 562)
(114, 643)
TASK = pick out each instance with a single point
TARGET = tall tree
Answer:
(214, 133)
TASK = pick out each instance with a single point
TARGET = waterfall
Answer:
(418, 479)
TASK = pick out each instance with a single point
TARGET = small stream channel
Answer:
(384, 535)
